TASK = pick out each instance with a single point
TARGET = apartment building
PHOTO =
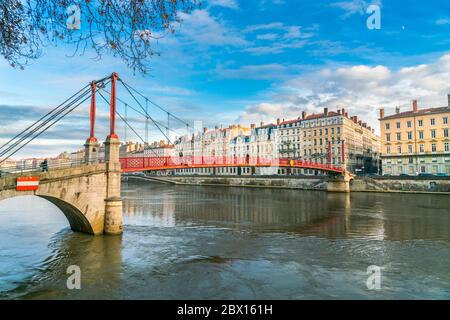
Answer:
(327, 138)
(331, 137)
(210, 146)
(289, 142)
(416, 141)
(160, 149)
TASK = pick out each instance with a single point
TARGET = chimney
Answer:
(415, 107)
(253, 126)
(339, 111)
(381, 113)
(304, 115)
(325, 111)
(360, 123)
(262, 124)
(278, 121)
(397, 110)
(448, 99)
(343, 111)
(355, 119)
(364, 125)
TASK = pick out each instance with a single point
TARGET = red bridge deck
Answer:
(170, 163)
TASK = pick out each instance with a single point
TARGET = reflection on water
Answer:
(376, 216)
(232, 243)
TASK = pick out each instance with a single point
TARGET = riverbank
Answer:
(428, 185)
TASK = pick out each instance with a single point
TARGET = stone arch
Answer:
(77, 220)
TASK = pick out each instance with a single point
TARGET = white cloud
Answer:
(360, 89)
(208, 31)
(231, 4)
(443, 21)
(276, 37)
(354, 6)
(256, 72)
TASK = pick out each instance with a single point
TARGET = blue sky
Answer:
(248, 61)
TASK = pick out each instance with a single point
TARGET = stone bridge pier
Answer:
(339, 182)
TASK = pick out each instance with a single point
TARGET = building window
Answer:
(399, 149)
(420, 123)
(420, 134)
(388, 126)
(421, 148)
(445, 120)
(388, 137)
(410, 135)
(398, 125)
(433, 147)
(433, 134)
(388, 149)
(410, 148)
(446, 147)
(445, 133)
(433, 122)
(409, 124)
(399, 136)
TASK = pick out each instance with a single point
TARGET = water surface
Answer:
(185, 242)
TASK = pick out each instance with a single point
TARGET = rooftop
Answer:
(418, 112)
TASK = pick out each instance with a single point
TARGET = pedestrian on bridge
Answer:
(44, 166)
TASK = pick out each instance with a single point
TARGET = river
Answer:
(186, 242)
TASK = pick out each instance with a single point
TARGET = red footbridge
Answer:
(138, 164)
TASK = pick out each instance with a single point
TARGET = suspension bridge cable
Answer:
(45, 129)
(126, 122)
(32, 132)
(137, 101)
(155, 104)
(42, 118)
(142, 114)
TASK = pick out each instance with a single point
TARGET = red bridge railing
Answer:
(134, 164)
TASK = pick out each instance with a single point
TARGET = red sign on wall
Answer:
(27, 183)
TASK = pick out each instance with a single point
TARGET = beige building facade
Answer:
(331, 138)
(416, 141)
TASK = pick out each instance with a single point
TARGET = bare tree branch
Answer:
(124, 29)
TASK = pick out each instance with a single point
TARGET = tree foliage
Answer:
(125, 29)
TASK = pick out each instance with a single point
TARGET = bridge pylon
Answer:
(113, 201)
(92, 146)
